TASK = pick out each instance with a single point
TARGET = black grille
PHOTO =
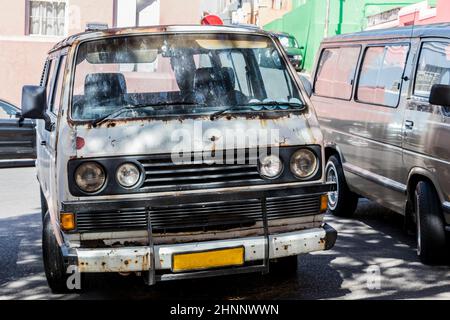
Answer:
(201, 216)
(162, 174)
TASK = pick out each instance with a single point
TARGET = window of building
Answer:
(433, 68)
(336, 72)
(381, 75)
(47, 18)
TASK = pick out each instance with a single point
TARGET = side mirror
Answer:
(34, 104)
(307, 85)
(440, 95)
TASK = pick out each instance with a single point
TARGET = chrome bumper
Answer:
(140, 259)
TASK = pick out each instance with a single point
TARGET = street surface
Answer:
(374, 258)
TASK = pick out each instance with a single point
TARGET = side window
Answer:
(49, 77)
(336, 72)
(381, 75)
(433, 68)
(57, 90)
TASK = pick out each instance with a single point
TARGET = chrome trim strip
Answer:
(446, 206)
(389, 183)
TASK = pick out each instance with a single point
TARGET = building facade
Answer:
(312, 20)
(30, 28)
(424, 12)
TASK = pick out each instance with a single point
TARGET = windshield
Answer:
(180, 74)
(288, 42)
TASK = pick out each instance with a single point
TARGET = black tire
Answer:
(431, 237)
(44, 206)
(53, 259)
(285, 265)
(343, 202)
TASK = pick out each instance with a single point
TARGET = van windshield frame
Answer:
(244, 44)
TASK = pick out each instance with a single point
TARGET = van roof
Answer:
(154, 29)
(422, 31)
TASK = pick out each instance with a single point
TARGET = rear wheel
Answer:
(53, 259)
(431, 236)
(342, 202)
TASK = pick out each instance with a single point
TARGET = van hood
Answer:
(152, 136)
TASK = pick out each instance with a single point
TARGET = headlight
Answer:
(271, 167)
(298, 58)
(128, 175)
(304, 163)
(90, 177)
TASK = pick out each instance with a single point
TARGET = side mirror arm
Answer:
(49, 125)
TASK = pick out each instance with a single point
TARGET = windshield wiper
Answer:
(217, 114)
(119, 111)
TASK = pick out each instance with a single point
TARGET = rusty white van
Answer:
(176, 152)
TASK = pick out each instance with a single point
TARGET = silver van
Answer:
(383, 102)
(176, 152)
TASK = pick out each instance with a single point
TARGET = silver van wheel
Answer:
(332, 176)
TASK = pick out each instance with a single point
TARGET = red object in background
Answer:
(80, 143)
(212, 20)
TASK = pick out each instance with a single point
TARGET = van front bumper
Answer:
(156, 259)
(140, 259)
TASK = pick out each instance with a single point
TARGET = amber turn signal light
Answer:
(323, 203)
(67, 221)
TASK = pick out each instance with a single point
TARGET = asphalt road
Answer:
(373, 259)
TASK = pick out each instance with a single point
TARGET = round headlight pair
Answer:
(90, 177)
(303, 164)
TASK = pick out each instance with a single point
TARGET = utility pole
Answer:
(327, 19)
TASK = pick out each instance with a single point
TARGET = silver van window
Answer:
(177, 75)
(433, 67)
(381, 75)
(336, 72)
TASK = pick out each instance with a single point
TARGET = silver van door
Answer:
(427, 126)
(381, 92)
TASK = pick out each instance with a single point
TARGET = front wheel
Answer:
(431, 237)
(53, 259)
(342, 202)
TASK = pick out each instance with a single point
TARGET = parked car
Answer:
(17, 136)
(126, 188)
(383, 102)
(293, 49)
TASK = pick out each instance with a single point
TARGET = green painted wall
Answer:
(307, 20)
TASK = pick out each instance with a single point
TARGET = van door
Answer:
(367, 125)
(47, 139)
(427, 127)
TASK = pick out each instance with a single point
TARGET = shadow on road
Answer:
(373, 239)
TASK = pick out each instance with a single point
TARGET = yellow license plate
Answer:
(195, 261)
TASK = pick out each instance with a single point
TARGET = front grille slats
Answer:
(186, 179)
(208, 216)
(190, 169)
(162, 174)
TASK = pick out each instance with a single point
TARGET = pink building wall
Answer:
(421, 13)
(22, 56)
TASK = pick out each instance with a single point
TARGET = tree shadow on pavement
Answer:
(374, 243)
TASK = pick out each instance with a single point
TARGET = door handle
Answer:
(409, 124)
(43, 143)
